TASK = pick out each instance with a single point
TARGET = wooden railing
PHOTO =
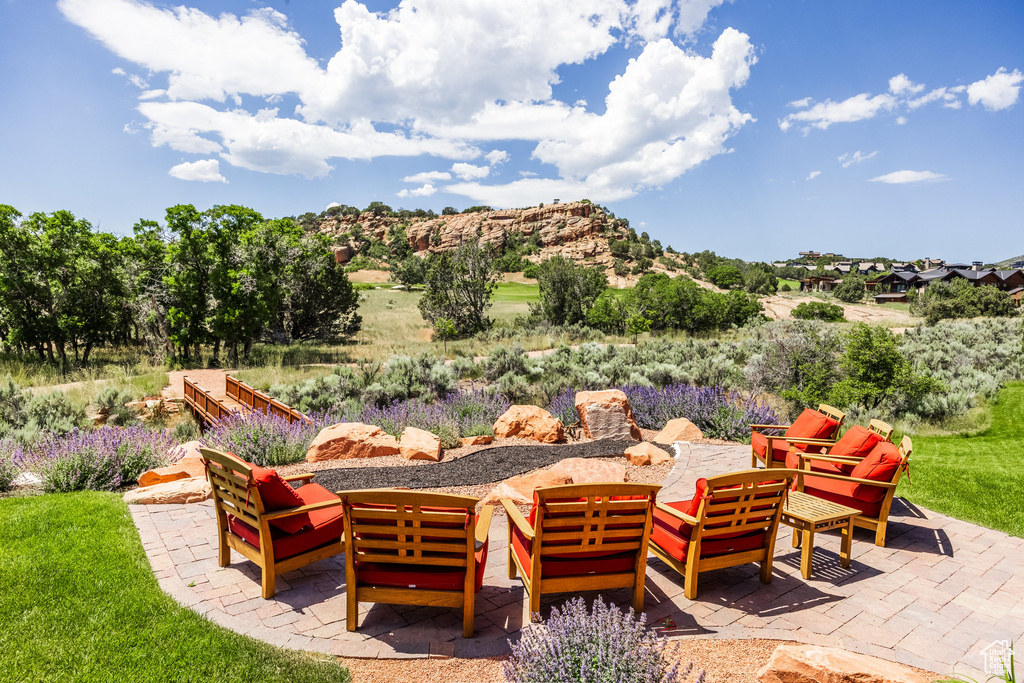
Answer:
(203, 404)
(257, 400)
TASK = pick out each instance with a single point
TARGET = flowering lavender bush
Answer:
(100, 460)
(719, 413)
(265, 440)
(457, 414)
(605, 645)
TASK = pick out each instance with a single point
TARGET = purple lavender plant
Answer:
(266, 440)
(455, 414)
(719, 413)
(100, 460)
(604, 645)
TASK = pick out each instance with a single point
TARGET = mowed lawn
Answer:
(79, 602)
(977, 478)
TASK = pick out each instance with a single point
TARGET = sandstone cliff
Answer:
(576, 230)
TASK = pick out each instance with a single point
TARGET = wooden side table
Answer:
(808, 515)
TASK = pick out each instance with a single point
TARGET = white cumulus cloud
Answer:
(903, 177)
(998, 91)
(813, 174)
(446, 79)
(427, 176)
(470, 172)
(995, 92)
(203, 171)
(424, 191)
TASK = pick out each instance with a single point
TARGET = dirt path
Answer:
(211, 380)
(780, 308)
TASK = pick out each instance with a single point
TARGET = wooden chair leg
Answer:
(638, 593)
(880, 533)
(796, 538)
(351, 608)
(468, 611)
(766, 570)
(534, 603)
(690, 581)
(268, 581)
(511, 563)
(224, 551)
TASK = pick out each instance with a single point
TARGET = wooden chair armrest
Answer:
(483, 525)
(828, 458)
(806, 440)
(305, 476)
(288, 512)
(678, 514)
(842, 477)
(516, 517)
(769, 426)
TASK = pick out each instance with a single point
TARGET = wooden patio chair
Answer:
(844, 454)
(732, 519)
(414, 548)
(821, 425)
(869, 486)
(582, 537)
(263, 518)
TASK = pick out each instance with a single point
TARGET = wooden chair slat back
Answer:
(883, 429)
(744, 501)
(410, 527)
(583, 518)
(234, 490)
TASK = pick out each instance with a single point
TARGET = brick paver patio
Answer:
(936, 595)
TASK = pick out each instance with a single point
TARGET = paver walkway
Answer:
(936, 595)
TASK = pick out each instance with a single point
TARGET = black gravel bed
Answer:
(482, 467)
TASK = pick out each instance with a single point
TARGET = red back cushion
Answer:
(857, 442)
(812, 425)
(880, 464)
(278, 495)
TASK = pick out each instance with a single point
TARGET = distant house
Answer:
(1016, 295)
(818, 283)
(899, 266)
(904, 281)
(810, 254)
(929, 263)
(891, 298)
(1017, 265)
(779, 264)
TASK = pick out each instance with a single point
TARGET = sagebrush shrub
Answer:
(10, 455)
(606, 644)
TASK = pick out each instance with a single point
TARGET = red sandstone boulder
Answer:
(188, 464)
(529, 422)
(589, 470)
(477, 440)
(419, 444)
(351, 440)
(607, 415)
(192, 490)
(520, 489)
(812, 664)
(645, 453)
(679, 429)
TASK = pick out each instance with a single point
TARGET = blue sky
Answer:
(756, 129)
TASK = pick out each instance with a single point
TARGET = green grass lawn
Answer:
(79, 602)
(794, 285)
(979, 477)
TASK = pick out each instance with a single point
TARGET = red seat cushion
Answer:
(832, 490)
(571, 564)
(673, 535)
(812, 424)
(326, 526)
(780, 446)
(793, 463)
(276, 494)
(394, 575)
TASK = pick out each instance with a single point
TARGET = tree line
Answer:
(225, 277)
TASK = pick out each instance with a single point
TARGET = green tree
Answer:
(399, 247)
(876, 371)
(189, 260)
(637, 324)
(960, 299)
(459, 287)
(725, 276)
(444, 329)
(320, 301)
(850, 290)
(567, 290)
(607, 314)
(410, 272)
(759, 279)
(819, 310)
